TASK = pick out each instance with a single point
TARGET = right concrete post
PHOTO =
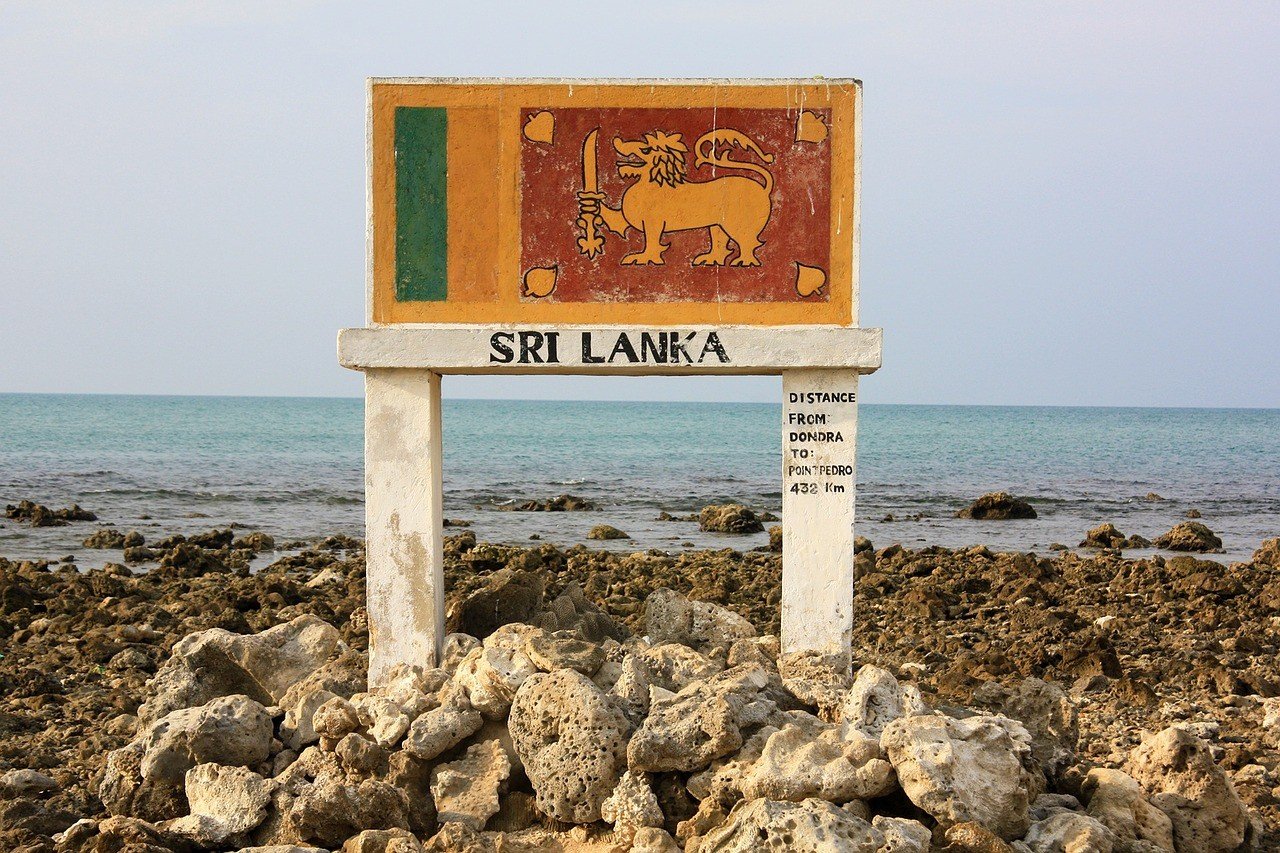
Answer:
(819, 437)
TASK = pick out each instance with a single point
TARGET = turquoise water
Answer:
(292, 467)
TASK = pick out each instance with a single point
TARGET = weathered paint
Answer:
(422, 216)
(403, 519)
(759, 217)
(819, 434)
(616, 350)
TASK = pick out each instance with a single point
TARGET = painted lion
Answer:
(662, 199)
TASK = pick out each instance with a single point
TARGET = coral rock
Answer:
(1185, 783)
(811, 826)
(572, 741)
(466, 790)
(959, 771)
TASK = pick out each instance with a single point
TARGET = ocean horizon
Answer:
(293, 467)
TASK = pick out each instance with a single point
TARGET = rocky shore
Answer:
(595, 700)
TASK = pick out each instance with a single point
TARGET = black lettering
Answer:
(531, 347)
(553, 339)
(713, 345)
(500, 342)
(587, 357)
(623, 346)
(648, 346)
(677, 348)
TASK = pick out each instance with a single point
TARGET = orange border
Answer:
(843, 97)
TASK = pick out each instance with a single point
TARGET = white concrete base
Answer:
(819, 432)
(403, 519)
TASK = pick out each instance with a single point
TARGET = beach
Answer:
(1134, 645)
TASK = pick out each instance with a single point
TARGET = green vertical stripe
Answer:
(422, 219)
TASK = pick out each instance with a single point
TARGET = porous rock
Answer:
(344, 676)
(877, 699)
(671, 618)
(1046, 712)
(262, 666)
(975, 769)
(382, 841)
(225, 802)
(632, 805)
(466, 790)
(811, 826)
(494, 672)
(550, 652)
(1185, 783)
(673, 666)
(145, 778)
(1070, 832)
(689, 730)
(330, 810)
(1117, 801)
(572, 742)
(809, 758)
(902, 835)
(443, 728)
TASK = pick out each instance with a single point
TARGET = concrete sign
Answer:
(611, 227)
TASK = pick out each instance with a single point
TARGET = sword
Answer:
(591, 243)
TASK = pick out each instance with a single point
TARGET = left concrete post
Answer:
(404, 537)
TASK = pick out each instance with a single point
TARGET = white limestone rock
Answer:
(466, 790)
(263, 666)
(650, 839)
(443, 728)
(1185, 783)
(225, 802)
(703, 722)
(1117, 801)
(810, 826)
(671, 618)
(631, 806)
(902, 835)
(877, 699)
(673, 667)
(494, 672)
(572, 742)
(809, 758)
(1069, 832)
(971, 770)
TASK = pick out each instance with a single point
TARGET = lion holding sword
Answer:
(733, 208)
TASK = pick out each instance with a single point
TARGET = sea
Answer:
(292, 467)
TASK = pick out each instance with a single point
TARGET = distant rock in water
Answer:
(606, 531)
(997, 506)
(109, 537)
(563, 503)
(729, 518)
(1153, 497)
(40, 515)
(1192, 513)
(1268, 554)
(1190, 536)
(1107, 536)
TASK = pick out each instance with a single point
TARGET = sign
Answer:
(629, 203)
(611, 228)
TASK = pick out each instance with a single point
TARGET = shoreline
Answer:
(1136, 645)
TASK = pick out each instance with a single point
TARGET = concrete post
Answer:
(403, 518)
(819, 432)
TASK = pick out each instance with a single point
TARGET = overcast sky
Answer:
(1073, 204)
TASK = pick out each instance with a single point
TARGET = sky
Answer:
(1066, 204)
